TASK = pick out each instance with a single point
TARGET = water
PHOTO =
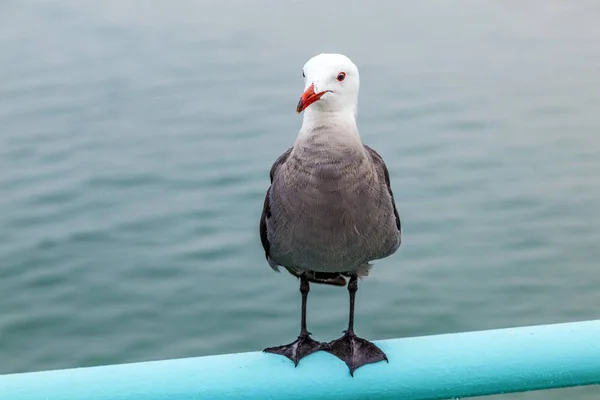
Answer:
(136, 140)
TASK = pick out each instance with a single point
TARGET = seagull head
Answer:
(331, 84)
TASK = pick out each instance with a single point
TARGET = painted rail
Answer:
(432, 367)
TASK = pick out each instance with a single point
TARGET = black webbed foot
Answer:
(298, 349)
(355, 351)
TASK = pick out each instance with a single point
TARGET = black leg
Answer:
(304, 289)
(304, 345)
(352, 289)
(351, 349)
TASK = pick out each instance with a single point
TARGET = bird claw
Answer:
(298, 349)
(355, 351)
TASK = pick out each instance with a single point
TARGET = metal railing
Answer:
(432, 367)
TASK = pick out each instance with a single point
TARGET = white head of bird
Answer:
(331, 84)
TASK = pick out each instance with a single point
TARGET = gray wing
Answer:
(266, 213)
(380, 164)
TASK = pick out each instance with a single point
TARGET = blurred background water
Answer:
(136, 140)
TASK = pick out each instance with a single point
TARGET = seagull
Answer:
(329, 210)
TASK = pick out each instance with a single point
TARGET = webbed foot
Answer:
(299, 348)
(355, 351)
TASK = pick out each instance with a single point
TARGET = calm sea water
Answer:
(136, 140)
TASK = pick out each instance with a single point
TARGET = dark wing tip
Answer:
(266, 213)
(377, 159)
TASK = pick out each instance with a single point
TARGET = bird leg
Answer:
(351, 349)
(304, 345)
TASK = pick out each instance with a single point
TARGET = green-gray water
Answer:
(136, 140)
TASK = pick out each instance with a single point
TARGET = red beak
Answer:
(309, 97)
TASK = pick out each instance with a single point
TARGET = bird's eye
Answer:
(304, 76)
(341, 76)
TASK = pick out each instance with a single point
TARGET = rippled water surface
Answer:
(136, 140)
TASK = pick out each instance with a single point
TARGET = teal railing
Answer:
(431, 367)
